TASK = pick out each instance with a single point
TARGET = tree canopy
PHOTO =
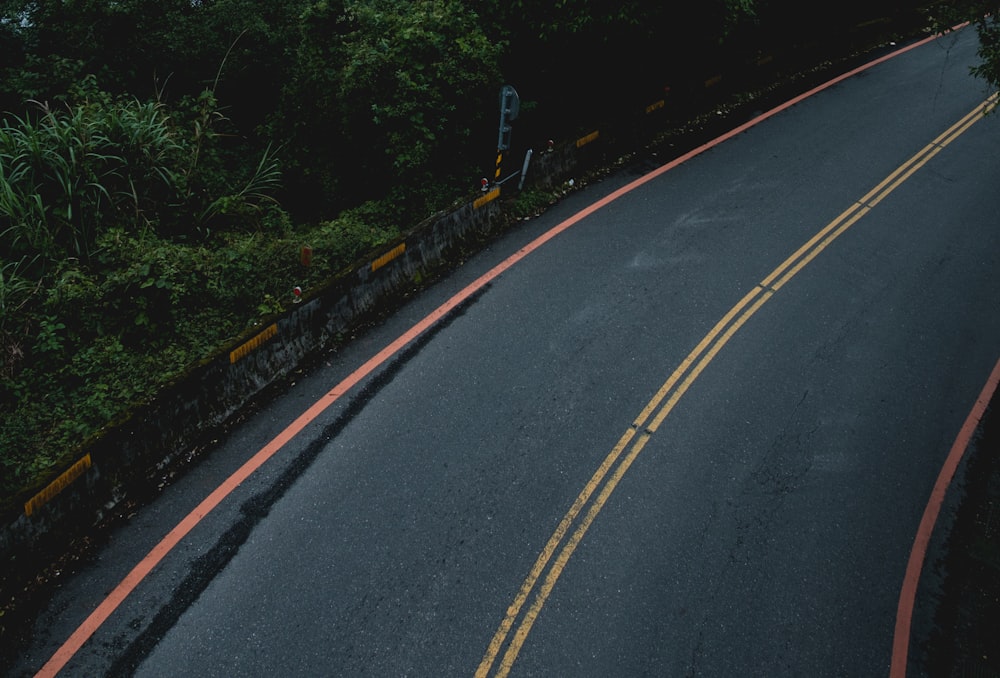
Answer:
(985, 16)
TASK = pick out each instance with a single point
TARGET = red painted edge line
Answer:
(167, 544)
(907, 596)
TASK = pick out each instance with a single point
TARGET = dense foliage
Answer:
(985, 16)
(129, 253)
(161, 163)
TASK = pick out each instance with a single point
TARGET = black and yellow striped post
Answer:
(496, 175)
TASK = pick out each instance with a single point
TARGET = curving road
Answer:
(693, 432)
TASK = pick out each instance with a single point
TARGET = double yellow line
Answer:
(574, 525)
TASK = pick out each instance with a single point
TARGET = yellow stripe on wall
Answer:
(57, 485)
(486, 198)
(583, 141)
(389, 256)
(246, 348)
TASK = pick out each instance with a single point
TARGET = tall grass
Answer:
(105, 259)
(66, 174)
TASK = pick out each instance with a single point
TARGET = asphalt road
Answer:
(749, 511)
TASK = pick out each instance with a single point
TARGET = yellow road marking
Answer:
(700, 356)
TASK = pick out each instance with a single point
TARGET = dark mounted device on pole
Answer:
(510, 104)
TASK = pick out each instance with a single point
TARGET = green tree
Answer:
(568, 57)
(985, 16)
(386, 92)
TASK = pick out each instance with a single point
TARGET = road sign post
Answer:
(510, 105)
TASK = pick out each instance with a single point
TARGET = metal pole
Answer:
(524, 169)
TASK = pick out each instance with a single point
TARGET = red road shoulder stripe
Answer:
(904, 613)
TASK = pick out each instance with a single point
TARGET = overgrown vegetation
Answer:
(162, 163)
(127, 258)
(985, 16)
